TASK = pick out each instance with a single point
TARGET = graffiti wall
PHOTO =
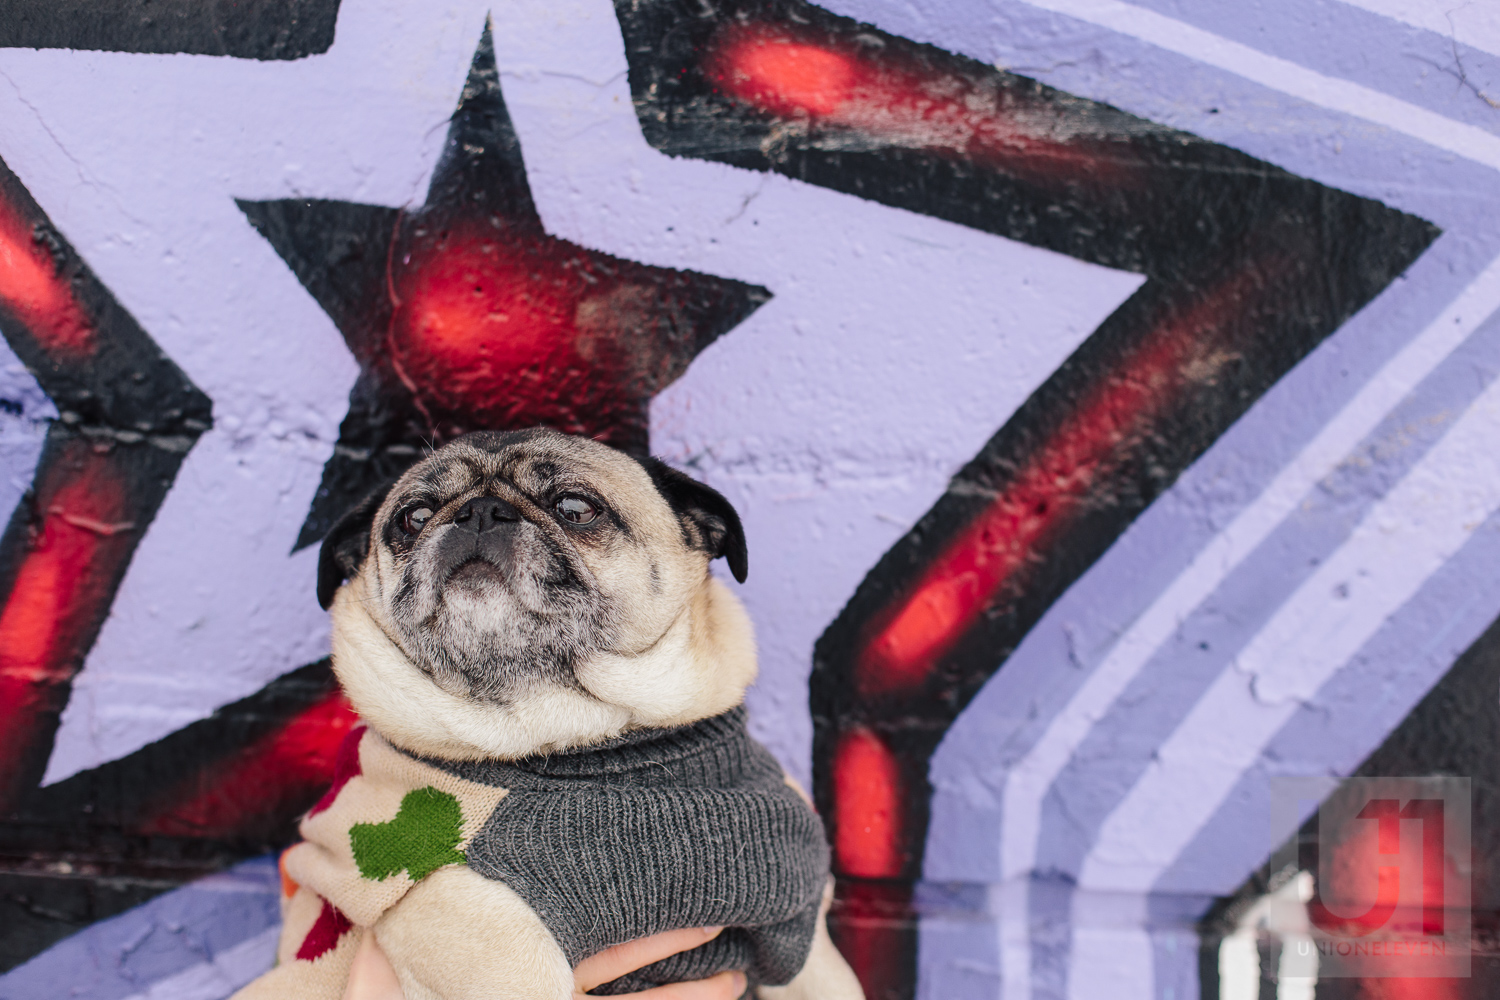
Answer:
(1108, 389)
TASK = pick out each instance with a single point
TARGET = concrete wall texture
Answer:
(1109, 391)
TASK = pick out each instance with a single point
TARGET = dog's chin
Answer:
(484, 641)
(476, 597)
(479, 590)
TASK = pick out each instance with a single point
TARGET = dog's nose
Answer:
(483, 513)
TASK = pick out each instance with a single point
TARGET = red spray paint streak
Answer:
(872, 838)
(882, 98)
(63, 584)
(867, 796)
(872, 928)
(295, 760)
(507, 327)
(1058, 481)
(32, 289)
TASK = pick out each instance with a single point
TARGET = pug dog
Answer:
(553, 756)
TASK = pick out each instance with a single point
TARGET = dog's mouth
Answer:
(476, 572)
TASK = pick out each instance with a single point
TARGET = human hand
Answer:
(612, 963)
(372, 977)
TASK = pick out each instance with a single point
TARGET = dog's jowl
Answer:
(554, 756)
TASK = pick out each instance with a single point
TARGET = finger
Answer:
(612, 963)
(791, 783)
(724, 986)
(371, 976)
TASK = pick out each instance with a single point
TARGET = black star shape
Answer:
(465, 314)
(128, 416)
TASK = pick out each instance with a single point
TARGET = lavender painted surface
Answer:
(970, 771)
(24, 413)
(1122, 744)
(1477, 25)
(1009, 307)
(201, 942)
(1330, 733)
(1080, 627)
(148, 200)
(1439, 72)
(828, 418)
(894, 346)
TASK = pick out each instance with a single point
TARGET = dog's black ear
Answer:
(707, 517)
(346, 545)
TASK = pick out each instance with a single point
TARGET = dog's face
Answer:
(509, 565)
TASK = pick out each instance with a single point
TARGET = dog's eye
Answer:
(577, 509)
(412, 520)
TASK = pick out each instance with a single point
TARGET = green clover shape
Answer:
(422, 838)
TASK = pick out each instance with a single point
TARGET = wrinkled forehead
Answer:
(532, 461)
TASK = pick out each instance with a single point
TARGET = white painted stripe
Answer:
(1400, 543)
(1474, 24)
(224, 974)
(1239, 966)
(1288, 77)
(1112, 954)
(1028, 782)
(1033, 774)
(1115, 962)
(1014, 918)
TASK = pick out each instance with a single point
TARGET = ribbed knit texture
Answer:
(654, 831)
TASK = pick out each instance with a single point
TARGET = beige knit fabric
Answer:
(325, 863)
(323, 978)
(324, 866)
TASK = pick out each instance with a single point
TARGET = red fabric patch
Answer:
(326, 931)
(345, 767)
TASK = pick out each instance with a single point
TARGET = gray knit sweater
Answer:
(658, 830)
